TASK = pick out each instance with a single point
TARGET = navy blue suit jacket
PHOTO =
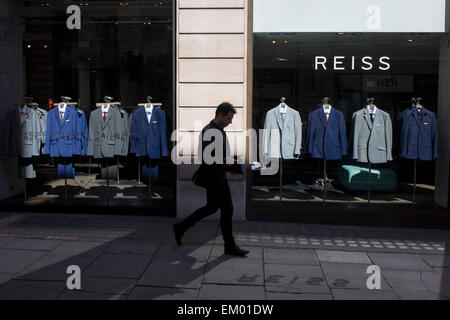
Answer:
(419, 134)
(149, 139)
(67, 137)
(326, 139)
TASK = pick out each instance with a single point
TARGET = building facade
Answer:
(260, 55)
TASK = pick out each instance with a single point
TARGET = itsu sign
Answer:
(343, 63)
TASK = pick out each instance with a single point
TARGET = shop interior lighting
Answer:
(274, 41)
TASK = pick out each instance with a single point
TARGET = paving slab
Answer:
(4, 241)
(176, 274)
(297, 296)
(414, 294)
(398, 279)
(107, 285)
(290, 256)
(355, 294)
(54, 268)
(14, 261)
(255, 252)
(184, 252)
(435, 283)
(5, 277)
(32, 244)
(31, 290)
(343, 256)
(435, 260)
(227, 292)
(399, 261)
(239, 271)
(349, 276)
(79, 248)
(131, 248)
(295, 279)
(82, 295)
(155, 293)
(118, 266)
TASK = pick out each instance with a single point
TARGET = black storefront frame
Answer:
(437, 218)
(113, 210)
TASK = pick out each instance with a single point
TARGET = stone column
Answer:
(211, 57)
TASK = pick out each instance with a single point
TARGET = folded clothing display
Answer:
(356, 178)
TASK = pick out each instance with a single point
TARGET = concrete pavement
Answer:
(129, 257)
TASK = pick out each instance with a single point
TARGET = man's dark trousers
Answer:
(218, 197)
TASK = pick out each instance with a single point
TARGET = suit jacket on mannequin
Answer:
(63, 137)
(372, 142)
(326, 139)
(82, 133)
(282, 140)
(21, 137)
(149, 139)
(125, 134)
(419, 134)
(105, 136)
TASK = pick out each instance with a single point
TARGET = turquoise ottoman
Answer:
(355, 178)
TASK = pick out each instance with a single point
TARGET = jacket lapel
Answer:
(56, 115)
(278, 117)
(66, 116)
(25, 117)
(108, 117)
(367, 117)
(323, 117)
(416, 116)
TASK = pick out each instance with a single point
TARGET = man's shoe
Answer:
(236, 251)
(178, 233)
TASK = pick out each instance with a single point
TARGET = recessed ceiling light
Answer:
(410, 40)
(274, 41)
(285, 41)
(341, 33)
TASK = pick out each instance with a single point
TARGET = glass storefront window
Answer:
(349, 69)
(122, 50)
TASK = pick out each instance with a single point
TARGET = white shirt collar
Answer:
(62, 107)
(105, 108)
(327, 110)
(283, 110)
(372, 111)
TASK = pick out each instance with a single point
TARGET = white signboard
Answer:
(349, 16)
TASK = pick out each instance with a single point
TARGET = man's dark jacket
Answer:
(211, 174)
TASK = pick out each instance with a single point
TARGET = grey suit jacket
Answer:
(105, 136)
(282, 140)
(42, 118)
(125, 134)
(372, 142)
(22, 138)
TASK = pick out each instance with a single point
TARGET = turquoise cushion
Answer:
(356, 178)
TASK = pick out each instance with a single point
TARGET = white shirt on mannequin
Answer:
(148, 111)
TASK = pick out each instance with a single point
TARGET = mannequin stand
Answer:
(107, 181)
(65, 181)
(118, 171)
(139, 170)
(281, 182)
(370, 183)
(415, 182)
(150, 179)
(325, 181)
(25, 193)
